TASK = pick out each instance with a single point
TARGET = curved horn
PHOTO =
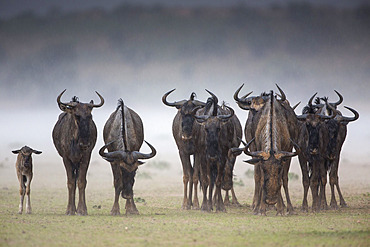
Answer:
(257, 154)
(111, 156)
(332, 108)
(351, 119)
(202, 118)
(340, 99)
(284, 154)
(101, 101)
(310, 101)
(283, 97)
(296, 105)
(174, 104)
(226, 117)
(236, 95)
(236, 151)
(62, 105)
(213, 96)
(139, 155)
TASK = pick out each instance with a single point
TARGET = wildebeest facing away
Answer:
(215, 138)
(74, 137)
(255, 104)
(274, 144)
(24, 171)
(183, 133)
(123, 136)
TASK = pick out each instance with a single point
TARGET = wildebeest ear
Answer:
(16, 151)
(252, 161)
(36, 152)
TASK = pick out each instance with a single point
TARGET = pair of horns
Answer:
(70, 105)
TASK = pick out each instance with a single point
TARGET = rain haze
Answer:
(140, 51)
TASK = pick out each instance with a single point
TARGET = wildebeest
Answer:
(313, 140)
(183, 133)
(337, 131)
(24, 171)
(274, 143)
(74, 137)
(217, 133)
(255, 104)
(123, 136)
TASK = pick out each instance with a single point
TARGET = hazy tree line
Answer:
(37, 48)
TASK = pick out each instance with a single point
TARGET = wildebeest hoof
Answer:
(132, 211)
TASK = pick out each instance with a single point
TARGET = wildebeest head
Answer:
(187, 109)
(334, 126)
(272, 169)
(254, 103)
(81, 114)
(26, 155)
(129, 160)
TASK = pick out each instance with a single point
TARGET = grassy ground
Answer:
(162, 223)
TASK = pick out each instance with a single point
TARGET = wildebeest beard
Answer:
(128, 180)
(187, 125)
(84, 132)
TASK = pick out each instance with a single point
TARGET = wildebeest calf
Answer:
(24, 172)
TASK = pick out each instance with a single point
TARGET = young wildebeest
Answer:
(25, 174)
(123, 136)
(74, 137)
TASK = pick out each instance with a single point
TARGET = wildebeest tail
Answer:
(121, 106)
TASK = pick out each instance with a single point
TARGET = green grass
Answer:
(162, 223)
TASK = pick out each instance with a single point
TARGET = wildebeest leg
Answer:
(187, 179)
(280, 205)
(131, 207)
(286, 165)
(227, 199)
(335, 178)
(314, 185)
(118, 186)
(195, 181)
(71, 183)
(305, 182)
(220, 207)
(323, 181)
(28, 193)
(22, 191)
(81, 182)
(233, 198)
(257, 189)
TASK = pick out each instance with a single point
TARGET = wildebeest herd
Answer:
(211, 134)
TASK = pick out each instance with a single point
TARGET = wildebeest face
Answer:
(272, 173)
(130, 162)
(313, 124)
(212, 128)
(82, 116)
(26, 154)
(187, 114)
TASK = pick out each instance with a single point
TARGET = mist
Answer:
(139, 53)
